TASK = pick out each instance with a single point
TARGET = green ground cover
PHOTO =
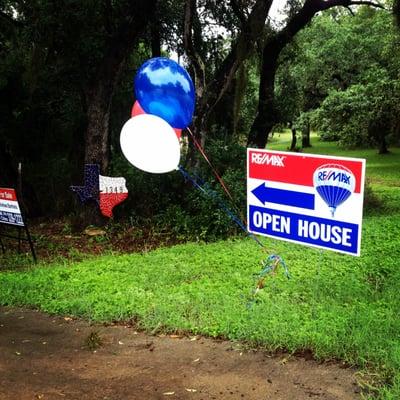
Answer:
(340, 307)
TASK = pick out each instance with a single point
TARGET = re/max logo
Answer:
(267, 159)
(334, 176)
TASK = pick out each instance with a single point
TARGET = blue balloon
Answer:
(165, 89)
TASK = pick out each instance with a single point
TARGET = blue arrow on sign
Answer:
(285, 197)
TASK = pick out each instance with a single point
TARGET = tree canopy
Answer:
(67, 71)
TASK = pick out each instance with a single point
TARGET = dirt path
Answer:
(45, 357)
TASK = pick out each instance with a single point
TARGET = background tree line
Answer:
(66, 77)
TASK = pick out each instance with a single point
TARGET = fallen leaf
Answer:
(176, 336)
(94, 232)
(67, 319)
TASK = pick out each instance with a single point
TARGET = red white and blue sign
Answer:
(106, 191)
(10, 212)
(308, 199)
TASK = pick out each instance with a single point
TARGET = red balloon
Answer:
(178, 132)
(138, 110)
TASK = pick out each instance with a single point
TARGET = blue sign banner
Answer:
(299, 228)
(285, 197)
(11, 218)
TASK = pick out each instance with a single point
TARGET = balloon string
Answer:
(199, 184)
(220, 180)
(271, 263)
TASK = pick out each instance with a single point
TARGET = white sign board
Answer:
(308, 199)
(10, 213)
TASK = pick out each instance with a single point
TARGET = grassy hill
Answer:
(338, 306)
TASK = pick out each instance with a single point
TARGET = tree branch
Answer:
(396, 12)
(194, 57)
(367, 3)
(239, 52)
(238, 11)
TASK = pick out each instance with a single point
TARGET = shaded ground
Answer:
(46, 357)
(58, 239)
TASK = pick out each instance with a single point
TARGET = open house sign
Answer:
(308, 199)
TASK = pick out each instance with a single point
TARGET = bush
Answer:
(363, 114)
(171, 204)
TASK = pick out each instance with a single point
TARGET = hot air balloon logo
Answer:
(334, 183)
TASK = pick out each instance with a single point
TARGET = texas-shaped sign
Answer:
(106, 191)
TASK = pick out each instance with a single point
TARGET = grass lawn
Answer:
(340, 307)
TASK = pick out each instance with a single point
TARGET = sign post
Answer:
(11, 214)
(307, 199)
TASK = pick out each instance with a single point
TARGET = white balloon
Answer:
(150, 144)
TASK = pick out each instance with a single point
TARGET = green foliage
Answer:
(176, 207)
(341, 117)
(362, 114)
(248, 107)
(345, 74)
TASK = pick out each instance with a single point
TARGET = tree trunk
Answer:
(266, 116)
(240, 90)
(383, 146)
(396, 12)
(305, 136)
(100, 89)
(377, 130)
(294, 137)
(155, 38)
(98, 100)
(397, 133)
(98, 117)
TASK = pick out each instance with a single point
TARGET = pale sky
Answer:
(275, 15)
(277, 6)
